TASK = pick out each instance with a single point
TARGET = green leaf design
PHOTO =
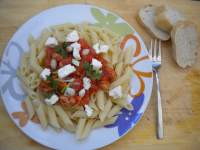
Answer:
(121, 28)
(111, 18)
(98, 15)
(109, 21)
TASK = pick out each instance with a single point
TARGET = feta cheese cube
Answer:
(76, 45)
(96, 64)
(46, 72)
(85, 52)
(96, 47)
(65, 71)
(75, 62)
(81, 93)
(86, 83)
(88, 110)
(104, 48)
(116, 92)
(100, 48)
(51, 42)
(69, 92)
(76, 50)
(69, 49)
(52, 100)
(53, 63)
(72, 36)
(76, 54)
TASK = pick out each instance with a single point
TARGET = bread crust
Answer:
(165, 36)
(163, 20)
(180, 26)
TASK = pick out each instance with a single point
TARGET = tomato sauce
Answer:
(108, 75)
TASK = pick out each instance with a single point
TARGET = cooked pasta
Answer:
(76, 78)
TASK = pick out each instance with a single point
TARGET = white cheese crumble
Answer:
(88, 110)
(45, 72)
(65, 71)
(75, 62)
(51, 42)
(86, 83)
(81, 93)
(96, 64)
(100, 48)
(85, 52)
(53, 63)
(69, 92)
(75, 45)
(52, 100)
(76, 50)
(72, 36)
(116, 92)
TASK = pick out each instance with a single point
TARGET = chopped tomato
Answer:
(65, 61)
(57, 57)
(110, 73)
(64, 100)
(84, 44)
(85, 100)
(44, 87)
(93, 89)
(61, 85)
(104, 84)
(77, 84)
(78, 99)
(47, 62)
(49, 52)
(101, 59)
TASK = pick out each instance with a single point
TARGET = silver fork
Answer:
(155, 56)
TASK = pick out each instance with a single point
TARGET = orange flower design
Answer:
(140, 74)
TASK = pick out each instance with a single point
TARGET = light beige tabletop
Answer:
(180, 88)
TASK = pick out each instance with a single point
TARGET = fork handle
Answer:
(159, 108)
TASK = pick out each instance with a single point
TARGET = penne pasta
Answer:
(40, 111)
(127, 55)
(80, 127)
(108, 121)
(41, 56)
(114, 111)
(63, 125)
(63, 116)
(124, 78)
(52, 118)
(79, 114)
(33, 61)
(41, 40)
(100, 99)
(119, 69)
(29, 107)
(87, 129)
(103, 114)
(123, 103)
(115, 55)
(75, 111)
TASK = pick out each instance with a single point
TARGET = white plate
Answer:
(12, 93)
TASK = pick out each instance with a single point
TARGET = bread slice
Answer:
(185, 43)
(166, 17)
(146, 18)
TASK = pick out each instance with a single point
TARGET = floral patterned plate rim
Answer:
(141, 81)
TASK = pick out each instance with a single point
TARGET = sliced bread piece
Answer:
(146, 18)
(185, 43)
(166, 17)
